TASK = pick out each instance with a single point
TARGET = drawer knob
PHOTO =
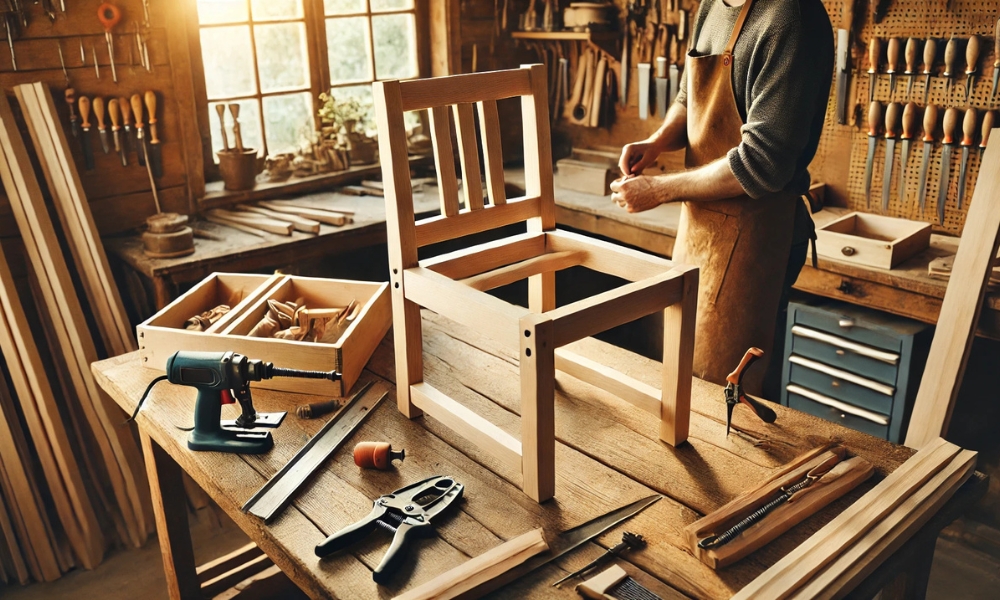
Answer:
(846, 322)
(843, 416)
(835, 383)
(840, 352)
(848, 251)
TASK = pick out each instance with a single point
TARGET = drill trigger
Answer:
(227, 397)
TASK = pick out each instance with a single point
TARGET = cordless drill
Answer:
(222, 378)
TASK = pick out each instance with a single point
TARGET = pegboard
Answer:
(840, 158)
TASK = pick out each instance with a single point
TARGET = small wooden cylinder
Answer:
(238, 169)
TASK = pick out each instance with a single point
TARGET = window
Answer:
(274, 57)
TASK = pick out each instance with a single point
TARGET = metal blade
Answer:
(925, 163)
(127, 138)
(996, 76)
(943, 183)
(843, 73)
(623, 80)
(871, 87)
(868, 170)
(903, 158)
(890, 151)
(120, 147)
(88, 153)
(961, 176)
(140, 150)
(909, 86)
(104, 141)
(927, 88)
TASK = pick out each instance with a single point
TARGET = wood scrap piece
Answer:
(301, 224)
(234, 225)
(323, 216)
(298, 203)
(472, 578)
(252, 220)
(960, 309)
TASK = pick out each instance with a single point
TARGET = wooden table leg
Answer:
(172, 529)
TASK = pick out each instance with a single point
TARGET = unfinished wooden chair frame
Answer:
(454, 284)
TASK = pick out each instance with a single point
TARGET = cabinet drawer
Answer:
(841, 385)
(845, 354)
(846, 327)
(835, 411)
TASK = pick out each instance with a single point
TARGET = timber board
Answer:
(607, 455)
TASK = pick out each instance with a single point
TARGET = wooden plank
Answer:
(550, 262)
(257, 221)
(489, 128)
(643, 396)
(440, 229)
(234, 224)
(503, 446)
(606, 257)
(497, 85)
(301, 224)
(14, 561)
(468, 153)
(323, 216)
(444, 159)
(227, 562)
(960, 309)
(480, 258)
(678, 362)
(225, 581)
(538, 425)
(538, 177)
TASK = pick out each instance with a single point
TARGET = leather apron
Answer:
(741, 245)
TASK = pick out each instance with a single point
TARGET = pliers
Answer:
(735, 395)
(405, 512)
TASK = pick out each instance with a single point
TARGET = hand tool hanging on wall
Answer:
(996, 59)
(97, 68)
(734, 391)
(7, 18)
(146, 24)
(88, 154)
(930, 127)
(950, 55)
(70, 97)
(930, 55)
(874, 50)
(126, 108)
(624, 64)
(376, 455)
(407, 512)
(892, 115)
(102, 130)
(892, 63)
(987, 128)
(971, 65)
(630, 541)
(116, 126)
(597, 93)
(910, 55)
(969, 124)
(844, 61)
(947, 143)
(154, 150)
(874, 121)
(136, 103)
(109, 16)
(274, 495)
(62, 62)
(910, 132)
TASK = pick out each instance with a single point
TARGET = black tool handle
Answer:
(350, 534)
(397, 551)
(760, 409)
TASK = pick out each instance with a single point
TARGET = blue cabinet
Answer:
(854, 366)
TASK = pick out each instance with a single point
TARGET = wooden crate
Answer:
(872, 240)
(163, 334)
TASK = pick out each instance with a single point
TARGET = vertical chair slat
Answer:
(468, 152)
(444, 157)
(489, 128)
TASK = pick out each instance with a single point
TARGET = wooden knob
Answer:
(126, 110)
(910, 116)
(911, 53)
(969, 127)
(972, 55)
(84, 104)
(892, 55)
(234, 109)
(930, 55)
(136, 102)
(98, 104)
(892, 114)
(874, 117)
(115, 113)
(987, 128)
(948, 126)
(930, 122)
(874, 49)
(950, 53)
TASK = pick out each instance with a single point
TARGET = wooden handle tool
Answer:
(950, 55)
(911, 53)
(969, 127)
(84, 104)
(971, 65)
(930, 122)
(988, 120)
(949, 125)
(126, 109)
(996, 59)
(150, 98)
(930, 128)
(98, 105)
(116, 126)
(892, 118)
(874, 122)
(220, 109)
(874, 50)
(136, 102)
(234, 109)
(910, 120)
(734, 391)
(892, 63)
(70, 96)
(930, 55)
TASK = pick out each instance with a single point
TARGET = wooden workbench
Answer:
(608, 454)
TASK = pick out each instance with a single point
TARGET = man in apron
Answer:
(749, 115)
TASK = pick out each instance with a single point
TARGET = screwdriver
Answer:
(874, 49)
(950, 52)
(971, 64)
(892, 63)
(947, 143)
(88, 156)
(968, 140)
(930, 126)
(126, 109)
(109, 15)
(116, 125)
(98, 104)
(909, 133)
(153, 154)
(911, 52)
(874, 119)
(930, 53)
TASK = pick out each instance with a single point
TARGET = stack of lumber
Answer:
(72, 480)
(280, 217)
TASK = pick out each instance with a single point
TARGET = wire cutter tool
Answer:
(735, 395)
(407, 512)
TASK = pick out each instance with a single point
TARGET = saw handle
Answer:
(930, 122)
(910, 121)
(749, 358)
(969, 127)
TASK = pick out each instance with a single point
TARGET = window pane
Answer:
(347, 48)
(288, 121)
(363, 94)
(227, 55)
(395, 46)
(281, 56)
(384, 5)
(222, 11)
(265, 10)
(344, 7)
(249, 127)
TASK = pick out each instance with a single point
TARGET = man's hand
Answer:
(637, 156)
(638, 193)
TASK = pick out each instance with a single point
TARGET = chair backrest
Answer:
(459, 93)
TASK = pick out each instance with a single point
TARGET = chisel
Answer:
(126, 109)
(971, 65)
(661, 86)
(930, 127)
(136, 103)
(70, 96)
(950, 54)
(874, 117)
(874, 49)
(892, 63)
(947, 143)
(930, 53)
(910, 55)
(98, 104)
(892, 113)
(996, 59)
(153, 151)
(968, 140)
(910, 132)
(987, 128)
(116, 125)
(88, 155)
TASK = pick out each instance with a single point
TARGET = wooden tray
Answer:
(872, 240)
(163, 334)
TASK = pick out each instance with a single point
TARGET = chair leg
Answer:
(678, 358)
(408, 342)
(538, 434)
(542, 292)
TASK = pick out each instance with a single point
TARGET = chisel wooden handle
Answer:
(150, 97)
(892, 114)
(948, 126)
(910, 121)
(98, 104)
(972, 55)
(930, 54)
(70, 96)
(116, 114)
(874, 118)
(950, 54)
(996, 45)
(749, 358)
(126, 109)
(969, 127)
(874, 51)
(892, 55)
(987, 128)
(220, 109)
(84, 104)
(930, 122)
(136, 102)
(911, 53)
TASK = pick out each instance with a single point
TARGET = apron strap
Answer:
(738, 27)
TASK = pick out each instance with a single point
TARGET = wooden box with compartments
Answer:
(247, 295)
(872, 240)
